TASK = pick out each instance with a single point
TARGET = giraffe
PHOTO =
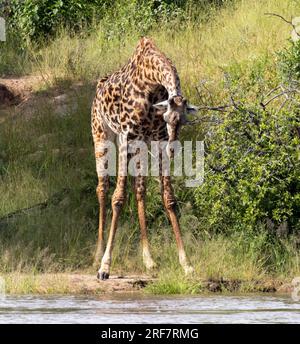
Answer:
(141, 101)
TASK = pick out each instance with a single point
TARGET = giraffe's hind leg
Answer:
(140, 192)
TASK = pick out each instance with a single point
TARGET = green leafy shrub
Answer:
(33, 19)
(252, 171)
(289, 61)
(41, 19)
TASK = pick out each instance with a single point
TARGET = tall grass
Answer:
(50, 157)
(238, 34)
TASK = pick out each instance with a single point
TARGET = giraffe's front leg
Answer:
(103, 138)
(170, 204)
(140, 191)
(118, 200)
(102, 189)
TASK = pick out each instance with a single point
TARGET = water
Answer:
(134, 308)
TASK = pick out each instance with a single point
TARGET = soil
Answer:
(23, 95)
(14, 90)
(89, 284)
(6, 95)
(17, 95)
(73, 283)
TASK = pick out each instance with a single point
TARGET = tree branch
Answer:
(285, 20)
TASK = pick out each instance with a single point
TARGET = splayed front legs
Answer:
(118, 200)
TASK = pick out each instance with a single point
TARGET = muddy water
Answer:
(133, 308)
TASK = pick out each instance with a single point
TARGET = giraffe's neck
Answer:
(153, 68)
(170, 81)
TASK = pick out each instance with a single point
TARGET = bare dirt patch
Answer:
(73, 283)
(21, 88)
(88, 284)
(16, 94)
(7, 97)
(27, 95)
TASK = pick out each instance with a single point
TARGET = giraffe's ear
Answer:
(191, 109)
(162, 105)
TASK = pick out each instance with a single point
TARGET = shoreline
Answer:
(87, 284)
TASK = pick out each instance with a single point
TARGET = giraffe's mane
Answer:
(146, 49)
(147, 44)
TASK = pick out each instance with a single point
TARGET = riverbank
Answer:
(87, 284)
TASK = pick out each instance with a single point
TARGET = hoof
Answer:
(102, 276)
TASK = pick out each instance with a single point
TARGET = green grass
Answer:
(236, 35)
(252, 262)
(30, 283)
(53, 155)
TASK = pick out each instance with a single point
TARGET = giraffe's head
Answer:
(175, 110)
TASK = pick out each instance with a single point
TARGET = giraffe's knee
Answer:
(169, 201)
(140, 192)
(118, 199)
(100, 193)
(101, 189)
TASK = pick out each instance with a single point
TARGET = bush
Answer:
(252, 171)
(290, 61)
(33, 19)
(38, 20)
